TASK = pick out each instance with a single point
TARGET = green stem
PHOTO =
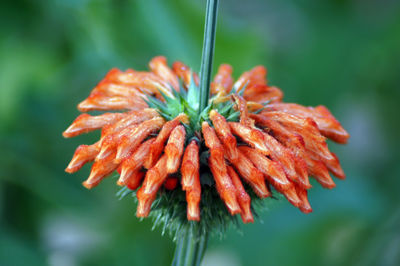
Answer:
(192, 240)
(208, 52)
(190, 245)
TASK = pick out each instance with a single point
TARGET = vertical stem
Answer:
(201, 248)
(191, 241)
(190, 246)
(208, 52)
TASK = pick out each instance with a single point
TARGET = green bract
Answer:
(187, 101)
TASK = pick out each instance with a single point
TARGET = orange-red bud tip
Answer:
(171, 183)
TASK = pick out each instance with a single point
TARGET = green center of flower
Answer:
(187, 101)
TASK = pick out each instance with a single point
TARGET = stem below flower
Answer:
(190, 245)
(208, 52)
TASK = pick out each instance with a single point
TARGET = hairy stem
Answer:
(208, 52)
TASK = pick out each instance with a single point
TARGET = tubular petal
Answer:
(253, 77)
(135, 136)
(158, 145)
(281, 133)
(217, 165)
(221, 98)
(174, 148)
(292, 197)
(210, 137)
(133, 117)
(242, 106)
(191, 180)
(82, 155)
(193, 195)
(184, 73)
(306, 127)
(146, 82)
(134, 180)
(262, 93)
(159, 66)
(329, 126)
(190, 165)
(254, 106)
(305, 204)
(86, 123)
(193, 198)
(316, 148)
(242, 196)
(100, 169)
(326, 122)
(273, 171)
(301, 170)
(224, 133)
(333, 164)
(223, 80)
(292, 141)
(282, 155)
(224, 185)
(153, 180)
(319, 171)
(111, 89)
(171, 183)
(251, 174)
(334, 167)
(110, 142)
(134, 162)
(102, 102)
(252, 136)
(111, 136)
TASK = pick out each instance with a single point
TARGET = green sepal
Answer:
(193, 94)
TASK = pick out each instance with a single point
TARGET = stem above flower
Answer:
(208, 52)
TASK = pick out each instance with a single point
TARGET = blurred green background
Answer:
(344, 54)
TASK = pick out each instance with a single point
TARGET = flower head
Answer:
(243, 144)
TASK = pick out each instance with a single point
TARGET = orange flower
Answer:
(246, 134)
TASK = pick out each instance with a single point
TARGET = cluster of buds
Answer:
(246, 134)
